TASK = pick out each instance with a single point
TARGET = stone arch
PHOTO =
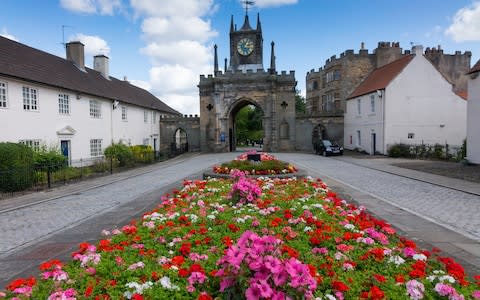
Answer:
(232, 111)
(180, 140)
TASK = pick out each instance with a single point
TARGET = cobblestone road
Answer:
(453, 209)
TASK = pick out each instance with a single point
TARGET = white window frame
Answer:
(145, 116)
(359, 106)
(372, 103)
(359, 138)
(154, 117)
(124, 113)
(63, 104)
(3, 95)
(95, 109)
(96, 147)
(34, 144)
(146, 141)
(30, 98)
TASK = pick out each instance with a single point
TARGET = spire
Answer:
(272, 59)
(259, 25)
(225, 69)
(232, 29)
(215, 61)
(246, 25)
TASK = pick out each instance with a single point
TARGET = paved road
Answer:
(75, 213)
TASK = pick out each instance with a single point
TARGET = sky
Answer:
(165, 45)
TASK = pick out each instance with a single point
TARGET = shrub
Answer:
(16, 167)
(399, 150)
(143, 153)
(121, 153)
(49, 160)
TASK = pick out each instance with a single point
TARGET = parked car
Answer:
(326, 148)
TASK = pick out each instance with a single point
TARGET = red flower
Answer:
(339, 286)
(233, 227)
(185, 248)
(376, 293)
(183, 272)
(227, 241)
(379, 278)
(178, 260)
(204, 296)
(48, 265)
(88, 291)
(137, 297)
(20, 282)
(399, 278)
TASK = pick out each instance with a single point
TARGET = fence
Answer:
(425, 151)
(41, 177)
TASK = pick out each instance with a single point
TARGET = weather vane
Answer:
(247, 3)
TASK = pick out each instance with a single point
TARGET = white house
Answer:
(473, 115)
(56, 102)
(407, 101)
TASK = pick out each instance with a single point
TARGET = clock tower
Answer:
(246, 46)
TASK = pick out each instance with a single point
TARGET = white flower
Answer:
(307, 228)
(419, 257)
(448, 278)
(167, 284)
(349, 226)
(396, 260)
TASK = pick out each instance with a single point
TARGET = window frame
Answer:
(31, 102)
(145, 116)
(63, 108)
(359, 138)
(95, 109)
(372, 103)
(359, 106)
(124, 113)
(3, 94)
(35, 144)
(96, 147)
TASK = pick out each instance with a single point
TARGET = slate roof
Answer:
(475, 68)
(29, 64)
(381, 77)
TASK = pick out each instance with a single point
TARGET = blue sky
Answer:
(164, 45)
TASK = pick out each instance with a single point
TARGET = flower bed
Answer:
(268, 165)
(255, 239)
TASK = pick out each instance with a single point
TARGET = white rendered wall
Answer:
(19, 124)
(367, 122)
(420, 101)
(473, 120)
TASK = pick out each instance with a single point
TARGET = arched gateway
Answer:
(246, 82)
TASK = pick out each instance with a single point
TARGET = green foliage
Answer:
(264, 165)
(121, 153)
(399, 150)
(300, 106)
(249, 124)
(142, 153)
(16, 167)
(49, 160)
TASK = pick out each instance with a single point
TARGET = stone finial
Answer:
(215, 60)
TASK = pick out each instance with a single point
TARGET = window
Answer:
(145, 116)
(63, 104)
(359, 106)
(30, 98)
(315, 85)
(96, 147)
(154, 117)
(146, 141)
(3, 94)
(351, 140)
(372, 103)
(327, 103)
(124, 113)
(337, 75)
(411, 135)
(95, 109)
(359, 138)
(34, 144)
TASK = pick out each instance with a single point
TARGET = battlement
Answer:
(439, 51)
(229, 74)
(180, 118)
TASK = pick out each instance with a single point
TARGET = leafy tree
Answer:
(300, 106)
(249, 124)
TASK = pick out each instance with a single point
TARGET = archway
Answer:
(246, 126)
(319, 133)
(180, 140)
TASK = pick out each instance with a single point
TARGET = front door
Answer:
(65, 149)
(374, 143)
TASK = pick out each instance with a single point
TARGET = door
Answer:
(65, 149)
(374, 143)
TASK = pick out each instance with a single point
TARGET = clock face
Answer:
(245, 47)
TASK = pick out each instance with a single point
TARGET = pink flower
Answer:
(415, 289)
(265, 289)
(409, 252)
(444, 289)
(253, 292)
(322, 250)
(476, 294)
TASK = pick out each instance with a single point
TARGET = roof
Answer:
(462, 94)
(475, 68)
(25, 63)
(381, 77)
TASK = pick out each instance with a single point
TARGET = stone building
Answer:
(328, 87)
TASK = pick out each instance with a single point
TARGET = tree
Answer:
(299, 103)
(249, 124)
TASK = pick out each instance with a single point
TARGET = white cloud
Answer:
(94, 45)
(272, 3)
(188, 53)
(177, 28)
(5, 34)
(141, 84)
(187, 104)
(466, 24)
(103, 7)
(169, 8)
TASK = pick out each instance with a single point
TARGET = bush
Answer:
(16, 167)
(399, 150)
(121, 153)
(143, 154)
(49, 160)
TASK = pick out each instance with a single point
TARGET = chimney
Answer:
(417, 50)
(75, 54)
(100, 64)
